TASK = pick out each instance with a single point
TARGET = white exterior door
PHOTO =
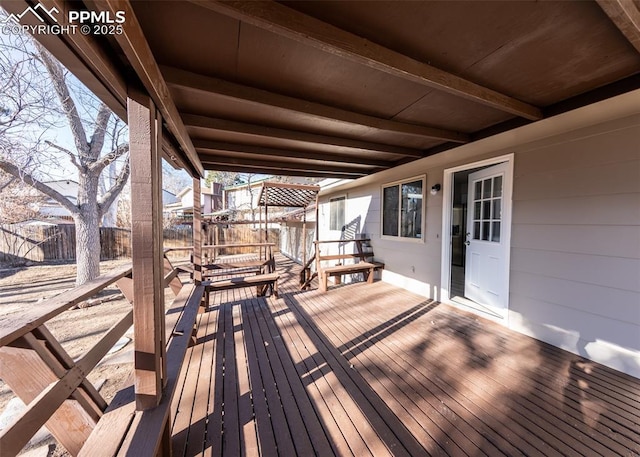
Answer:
(486, 266)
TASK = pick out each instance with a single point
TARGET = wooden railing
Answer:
(305, 275)
(40, 372)
(124, 431)
(264, 250)
(54, 387)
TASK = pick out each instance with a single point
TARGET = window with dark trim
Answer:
(402, 207)
(336, 213)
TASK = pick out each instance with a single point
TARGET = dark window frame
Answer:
(395, 217)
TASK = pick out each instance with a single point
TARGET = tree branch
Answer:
(71, 155)
(69, 107)
(99, 131)
(13, 170)
(8, 183)
(109, 158)
(107, 199)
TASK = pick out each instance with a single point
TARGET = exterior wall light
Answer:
(435, 189)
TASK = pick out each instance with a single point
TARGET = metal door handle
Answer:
(467, 243)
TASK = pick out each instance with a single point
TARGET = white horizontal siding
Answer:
(575, 252)
(575, 247)
(615, 272)
(604, 240)
(605, 302)
(618, 209)
(585, 326)
(608, 179)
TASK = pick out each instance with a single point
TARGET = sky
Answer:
(56, 165)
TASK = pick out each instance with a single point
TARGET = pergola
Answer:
(323, 89)
(286, 195)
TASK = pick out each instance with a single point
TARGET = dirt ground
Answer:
(78, 329)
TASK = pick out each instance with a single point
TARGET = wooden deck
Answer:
(373, 370)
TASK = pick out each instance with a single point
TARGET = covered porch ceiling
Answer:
(348, 88)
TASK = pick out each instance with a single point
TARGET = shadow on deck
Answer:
(375, 370)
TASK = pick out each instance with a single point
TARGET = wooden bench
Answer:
(261, 281)
(124, 431)
(365, 268)
(364, 265)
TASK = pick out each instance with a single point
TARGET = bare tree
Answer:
(174, 180)
(18, 202)
(30, 75)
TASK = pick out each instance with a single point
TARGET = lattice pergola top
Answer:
(287, 195)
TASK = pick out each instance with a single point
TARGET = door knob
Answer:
(467, 243)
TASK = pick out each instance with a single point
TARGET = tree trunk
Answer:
(87, 247)
(110, 218)
(87, 230)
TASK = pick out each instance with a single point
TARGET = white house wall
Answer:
(291, 239)
(575, 241)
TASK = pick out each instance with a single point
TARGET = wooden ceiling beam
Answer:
(133, 43)
(171, 155)
(223, 125)
(273, 166)
(220, 146)
(195, 83)
(281, 172)
(310, 31)
(625, 14)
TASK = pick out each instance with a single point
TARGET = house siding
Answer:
(291, 239)
(575, 247)
(575, 240)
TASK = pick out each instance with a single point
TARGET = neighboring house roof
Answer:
(168, 197)
(186, 190)
(184, 203)
(253, 182)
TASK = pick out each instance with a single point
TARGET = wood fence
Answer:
(216, 233)
(37, 243)
(221, 233)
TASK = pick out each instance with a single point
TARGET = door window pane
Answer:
(476, 230)
(390, 210)
(476, 210)
(497, 209)
(495, 232)
(486, 209)
(485, 231)
(486, 188)
(497, 186)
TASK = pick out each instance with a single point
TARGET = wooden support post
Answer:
(317, 235)
(304, 238)
(145, 138)
(197, 233)
(266, 214)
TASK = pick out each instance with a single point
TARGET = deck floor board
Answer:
(371, 369)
